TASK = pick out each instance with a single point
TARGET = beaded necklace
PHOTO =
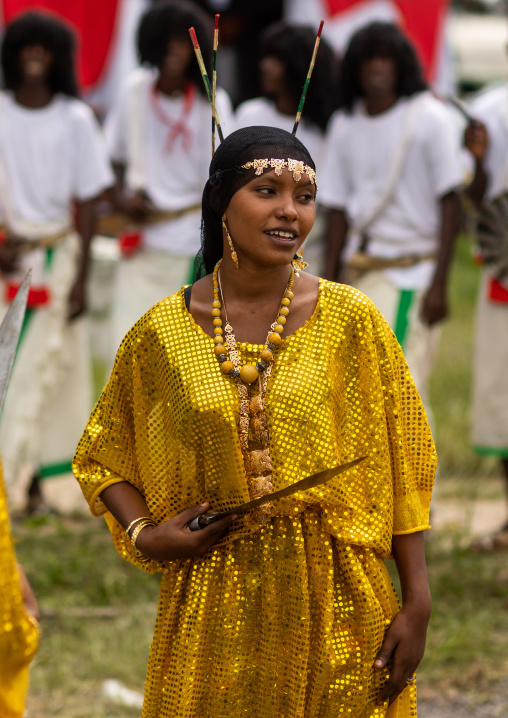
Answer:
(248, 373)
(256, 457)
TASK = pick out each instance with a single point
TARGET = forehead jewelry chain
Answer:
(248, 372)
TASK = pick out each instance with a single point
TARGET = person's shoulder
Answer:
(491, 99)
(338, 124)
(77, 112)
(165, 314)
(345, 298)
(138, 80)
(139, 76)
(354, 316)
(432, 108)
(170, 305)
(7, 101)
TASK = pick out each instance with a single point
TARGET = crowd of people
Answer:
(198, 415)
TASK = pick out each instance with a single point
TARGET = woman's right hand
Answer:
(173, 539)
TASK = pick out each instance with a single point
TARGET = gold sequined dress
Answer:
(19, 635)
(282, 619)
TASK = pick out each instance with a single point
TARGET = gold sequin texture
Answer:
(281, 619)
(19, 636)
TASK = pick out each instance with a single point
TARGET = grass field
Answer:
(98, 611)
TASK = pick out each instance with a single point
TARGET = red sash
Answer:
(37, 296)
(497, 292)
(130, 241)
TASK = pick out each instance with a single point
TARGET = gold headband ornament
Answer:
(295, 166)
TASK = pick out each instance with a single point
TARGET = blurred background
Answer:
(97, 612)
(462, 43)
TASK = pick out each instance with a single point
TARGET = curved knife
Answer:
(309, 482)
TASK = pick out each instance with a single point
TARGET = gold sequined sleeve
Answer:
(107, 452)
(19, 634)
(412, 451)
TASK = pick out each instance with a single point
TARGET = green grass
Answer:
(468, 637)
(76, 572)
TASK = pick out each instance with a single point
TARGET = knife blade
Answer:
(309, 482)
(10, 332)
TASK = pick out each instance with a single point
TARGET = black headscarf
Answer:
(226, 176)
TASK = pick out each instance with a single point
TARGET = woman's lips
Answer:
(282, 237)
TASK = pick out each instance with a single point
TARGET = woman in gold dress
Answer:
(287, 612)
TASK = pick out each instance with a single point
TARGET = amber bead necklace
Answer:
(248, 373)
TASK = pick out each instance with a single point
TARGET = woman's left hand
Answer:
(404, 646)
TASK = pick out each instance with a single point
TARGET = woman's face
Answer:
(35, 63)
(270, 217)
(178, 58)
(272, 76)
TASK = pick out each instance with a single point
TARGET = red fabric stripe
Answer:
(37, 296)
(422, 20)
(94, 22)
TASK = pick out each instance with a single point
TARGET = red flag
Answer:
(93, 21)
(423, 22)
(421, 19)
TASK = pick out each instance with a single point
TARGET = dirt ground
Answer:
(466, 707)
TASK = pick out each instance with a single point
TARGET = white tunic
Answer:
(51, 156)
(261, 111)
(357, 157)
(173, 176)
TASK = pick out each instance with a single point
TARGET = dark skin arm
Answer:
(476, 140)
(335, 241)
(137, 205)
(86, 227)
(170, 540)
(404, 643)
(435, 305)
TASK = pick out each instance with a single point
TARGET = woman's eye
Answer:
(307, 197)
(266, 190)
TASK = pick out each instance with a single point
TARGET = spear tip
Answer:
(320, 28)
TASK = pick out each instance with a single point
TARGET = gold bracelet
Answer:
(141, 518)
(142, 525)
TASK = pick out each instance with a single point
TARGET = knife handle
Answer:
(204, 520)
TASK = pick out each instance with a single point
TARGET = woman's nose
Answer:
(287, 208)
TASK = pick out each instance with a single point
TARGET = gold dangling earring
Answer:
(298, 262)
(234, 256)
